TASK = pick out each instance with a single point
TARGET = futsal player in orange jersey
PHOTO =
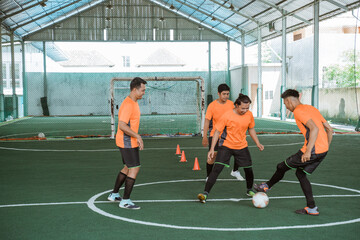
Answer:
(318, 136)
(214, 112)
(129, 142)
(233, 126)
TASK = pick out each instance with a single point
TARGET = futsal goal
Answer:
(170, 106)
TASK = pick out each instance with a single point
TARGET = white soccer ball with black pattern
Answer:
(260, 200)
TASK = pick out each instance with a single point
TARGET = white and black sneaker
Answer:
(127, 203)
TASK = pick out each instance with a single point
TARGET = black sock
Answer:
(129, 184)
(209, 167)
(281, 168)
(306, 188)
(213, 176)
(119, 182)
(249, 176)
(236, 167)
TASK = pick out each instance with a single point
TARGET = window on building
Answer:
(4, 74)
(126, 61)
(17, 71)
(269, 95)
(171, 34)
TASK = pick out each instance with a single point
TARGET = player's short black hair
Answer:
(290, 93)
(223, 87)
(136, 83)
(242, 99)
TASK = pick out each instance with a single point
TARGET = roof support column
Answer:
(315, 88)
(209, 95)
(2, 98)
(283, 67)
(228, 64)
(44, 76)
(259, 89)
(14, 97)
(25, 91)
(244, 82)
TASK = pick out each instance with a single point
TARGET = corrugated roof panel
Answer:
(223, 27)
(293, 5)
(52, 51)
(326, 7)
(269, 16)
(142, 14)
(236, 19)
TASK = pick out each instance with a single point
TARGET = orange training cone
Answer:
(196, 165)
(183, 158)
(178, 150)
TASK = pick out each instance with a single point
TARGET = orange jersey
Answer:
(215, 111)
(233, 127)
(129, 113)
(302, 114)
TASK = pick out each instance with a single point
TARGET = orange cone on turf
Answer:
(183, 158)
(178, 150)
(196, 165)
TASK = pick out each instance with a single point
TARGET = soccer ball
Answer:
(41, 135)
(260, 200)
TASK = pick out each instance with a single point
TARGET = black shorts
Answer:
(130, 157)
(241, 157)
(294, 161)
(216, 146)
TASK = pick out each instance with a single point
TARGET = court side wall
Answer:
(89, 93)
(337, 103)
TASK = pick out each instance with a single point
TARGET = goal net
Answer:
(170, 106)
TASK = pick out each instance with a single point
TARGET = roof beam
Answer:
(197, 21)
(208, 15)
(67, 15)
(285, 15)
(33, 20)
(240, 14)
(283, 11)
(338, 5)
(22, 10)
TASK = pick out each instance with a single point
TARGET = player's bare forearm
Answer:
(206, 129)
(254, 137)
(314, 130)
(126, 129)
(329, 131)
(215, 139)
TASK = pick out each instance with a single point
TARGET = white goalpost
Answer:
(171, 105)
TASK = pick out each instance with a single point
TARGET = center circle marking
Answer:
(91, 205)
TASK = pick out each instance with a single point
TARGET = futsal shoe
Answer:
(202, 197)
(114, 197)
(310, 211)
(237, 175)
(263, 187)
(128, 204)
(250, 192)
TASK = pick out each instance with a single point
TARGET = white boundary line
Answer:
(111, 150)
(171, 200)
(14, 121)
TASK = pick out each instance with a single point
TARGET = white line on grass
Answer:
(171, 200)
(109, 150)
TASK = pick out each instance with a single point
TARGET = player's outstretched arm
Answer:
(329, 131)
(126, 129)
(254, 137)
